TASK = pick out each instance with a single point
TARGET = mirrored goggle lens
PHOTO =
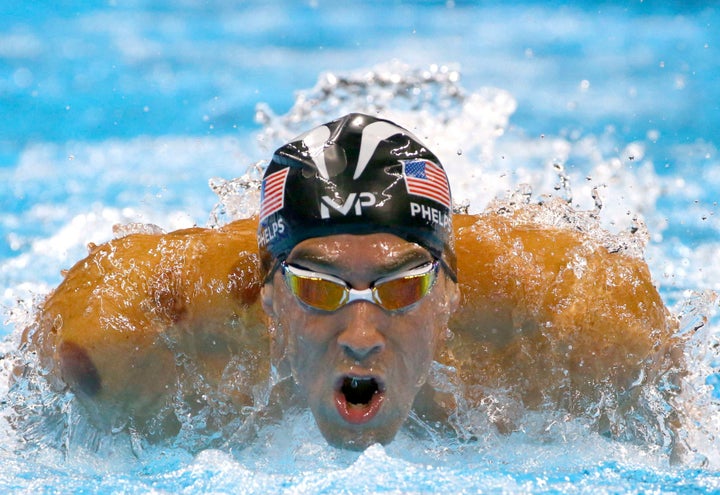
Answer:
(316, 292)
(401, 292)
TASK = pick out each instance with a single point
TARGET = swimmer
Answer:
(363, 278)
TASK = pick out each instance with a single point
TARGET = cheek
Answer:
(303, 348)
(425, 334)
(415, 345)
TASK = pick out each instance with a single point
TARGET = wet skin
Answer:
(359, 367)
(530, 323)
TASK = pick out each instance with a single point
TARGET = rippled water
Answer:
(123, 112)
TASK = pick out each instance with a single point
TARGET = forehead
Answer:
(382, 251)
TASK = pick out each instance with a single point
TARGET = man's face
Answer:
(360, 366)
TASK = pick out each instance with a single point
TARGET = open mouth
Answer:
(358, 399)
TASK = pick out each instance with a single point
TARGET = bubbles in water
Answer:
(122, 230)
(239, 197)
(697, 313)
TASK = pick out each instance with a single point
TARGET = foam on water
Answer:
(595, 183)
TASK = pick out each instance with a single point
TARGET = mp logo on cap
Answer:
(356, 200)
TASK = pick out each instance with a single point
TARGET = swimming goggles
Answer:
(329, 293)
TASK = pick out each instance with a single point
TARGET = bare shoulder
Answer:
(143, 313)
(552, 315)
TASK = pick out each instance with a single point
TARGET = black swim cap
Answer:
(355, 175)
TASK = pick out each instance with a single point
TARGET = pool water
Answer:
(120, 112)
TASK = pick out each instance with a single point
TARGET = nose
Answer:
(361, 337)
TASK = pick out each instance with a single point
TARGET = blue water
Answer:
(122, 111)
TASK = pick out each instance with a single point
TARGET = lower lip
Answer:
(358, 414)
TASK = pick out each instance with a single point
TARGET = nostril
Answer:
(359, 353)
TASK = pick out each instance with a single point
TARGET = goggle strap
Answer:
(414, 272)
(301, 272)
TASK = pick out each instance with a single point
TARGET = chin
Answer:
(342, 434)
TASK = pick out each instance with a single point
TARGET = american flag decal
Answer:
(272, 194)
(425, 178)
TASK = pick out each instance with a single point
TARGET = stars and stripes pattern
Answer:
(272, 194)
(425, 178)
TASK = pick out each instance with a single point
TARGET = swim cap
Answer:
(355, 175)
